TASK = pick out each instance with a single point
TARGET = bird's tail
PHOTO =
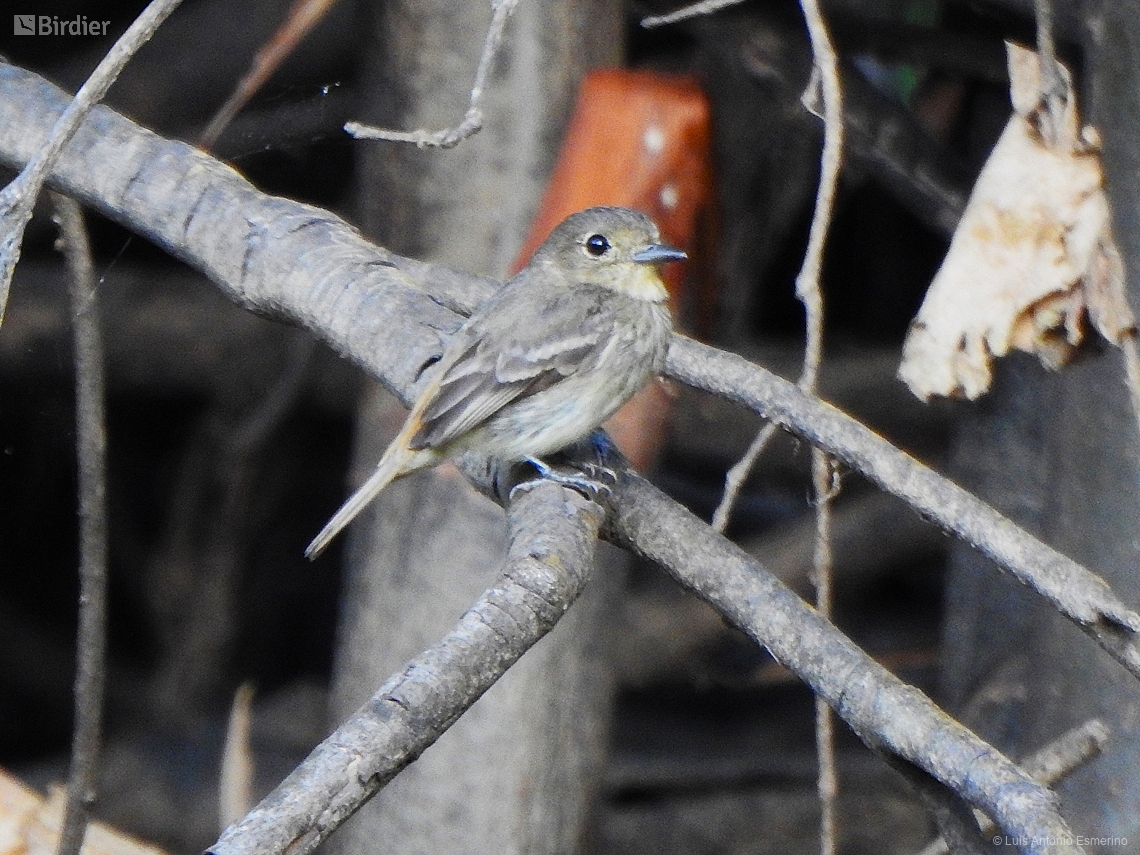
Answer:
(397, 460)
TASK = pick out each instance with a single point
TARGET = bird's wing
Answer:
(511, 353)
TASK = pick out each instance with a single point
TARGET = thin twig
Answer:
(807, 287)
(1131, 354)
(705, 7)
(1054, 86)
(827, 779)
(19, 197)
(825, 74)
(91, 449)
(1067, 753)
(807, 281)
(827, 783)
(1048, 765)
(303, 15)
(736, 476)
(272, 406)
(473, 120)
(825, 77)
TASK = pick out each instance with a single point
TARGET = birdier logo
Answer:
(52, 25)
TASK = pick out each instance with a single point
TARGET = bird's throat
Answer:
(644, 283)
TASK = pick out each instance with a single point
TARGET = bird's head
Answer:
(613, 247)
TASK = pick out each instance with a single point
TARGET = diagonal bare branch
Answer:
(882, 709)
(695, 10)
(299, 21)
(553, 533)
(1079, 594)
(1049, 764)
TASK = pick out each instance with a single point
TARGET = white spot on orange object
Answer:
(669, 197)
(654, 140)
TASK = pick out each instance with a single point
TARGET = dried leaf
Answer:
(1032, 258)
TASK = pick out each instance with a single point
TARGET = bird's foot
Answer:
(592, 483)
(601, 476)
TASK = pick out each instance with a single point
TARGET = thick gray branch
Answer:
(1076, 592)
(269, 254)
(882, 709)
(553, 533)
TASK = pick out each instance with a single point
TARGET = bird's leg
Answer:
(604, 449)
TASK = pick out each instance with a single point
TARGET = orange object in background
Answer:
(642, 140)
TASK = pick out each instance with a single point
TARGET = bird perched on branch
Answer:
(545, 360)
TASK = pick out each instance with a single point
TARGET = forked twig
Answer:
(473, 120)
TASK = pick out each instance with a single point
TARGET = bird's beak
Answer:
(656, 253)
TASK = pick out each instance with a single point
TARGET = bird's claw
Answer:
(602, 476)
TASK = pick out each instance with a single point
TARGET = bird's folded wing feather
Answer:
(509, 357)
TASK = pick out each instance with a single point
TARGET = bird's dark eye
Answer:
(597, 245)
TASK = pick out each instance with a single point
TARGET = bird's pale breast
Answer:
(576, 405)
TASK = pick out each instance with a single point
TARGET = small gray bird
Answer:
(545, 360)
